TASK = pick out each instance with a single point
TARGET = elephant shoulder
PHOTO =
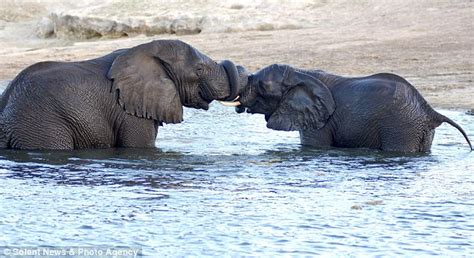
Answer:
(38, 69)
(46, 75)
(55, 80)
(26, 79)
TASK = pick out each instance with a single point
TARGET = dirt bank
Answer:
(428, 42)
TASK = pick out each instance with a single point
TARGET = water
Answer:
(222, 184)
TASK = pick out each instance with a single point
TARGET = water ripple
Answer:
(208, 190)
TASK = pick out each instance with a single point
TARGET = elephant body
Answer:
(41, 96)
(382, 111)
(117, 100)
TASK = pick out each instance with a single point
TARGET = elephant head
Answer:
(289, 98)
(155, 80)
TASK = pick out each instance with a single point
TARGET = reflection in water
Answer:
(155, 168)
(207, 191)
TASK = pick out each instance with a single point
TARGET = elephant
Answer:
(381, 111)
(117, 100)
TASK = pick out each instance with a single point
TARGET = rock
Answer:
(75, 27)
(78, 27)
(123, 18)
(45, 28)
(186, 25)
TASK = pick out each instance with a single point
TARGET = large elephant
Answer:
(117, 100)
(382, 111)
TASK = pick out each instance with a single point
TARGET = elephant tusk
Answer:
(230, 104)
(233, 103)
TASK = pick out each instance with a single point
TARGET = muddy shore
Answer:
(428, 43)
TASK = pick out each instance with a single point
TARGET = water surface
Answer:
(223, 184)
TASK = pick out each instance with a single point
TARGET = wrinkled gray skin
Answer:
(381, 111)
(117, 100)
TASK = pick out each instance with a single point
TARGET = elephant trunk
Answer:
(233, 78)
(248, 94)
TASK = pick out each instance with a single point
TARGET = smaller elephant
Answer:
(382, 111)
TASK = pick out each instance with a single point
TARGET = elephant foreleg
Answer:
(316, 138)
(137, 132)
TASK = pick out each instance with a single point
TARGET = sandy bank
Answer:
(428, 42)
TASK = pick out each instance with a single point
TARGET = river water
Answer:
(223, 184)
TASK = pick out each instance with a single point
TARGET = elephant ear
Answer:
(144, 89)
(307, 104)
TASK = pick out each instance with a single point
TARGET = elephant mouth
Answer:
(205, 96)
